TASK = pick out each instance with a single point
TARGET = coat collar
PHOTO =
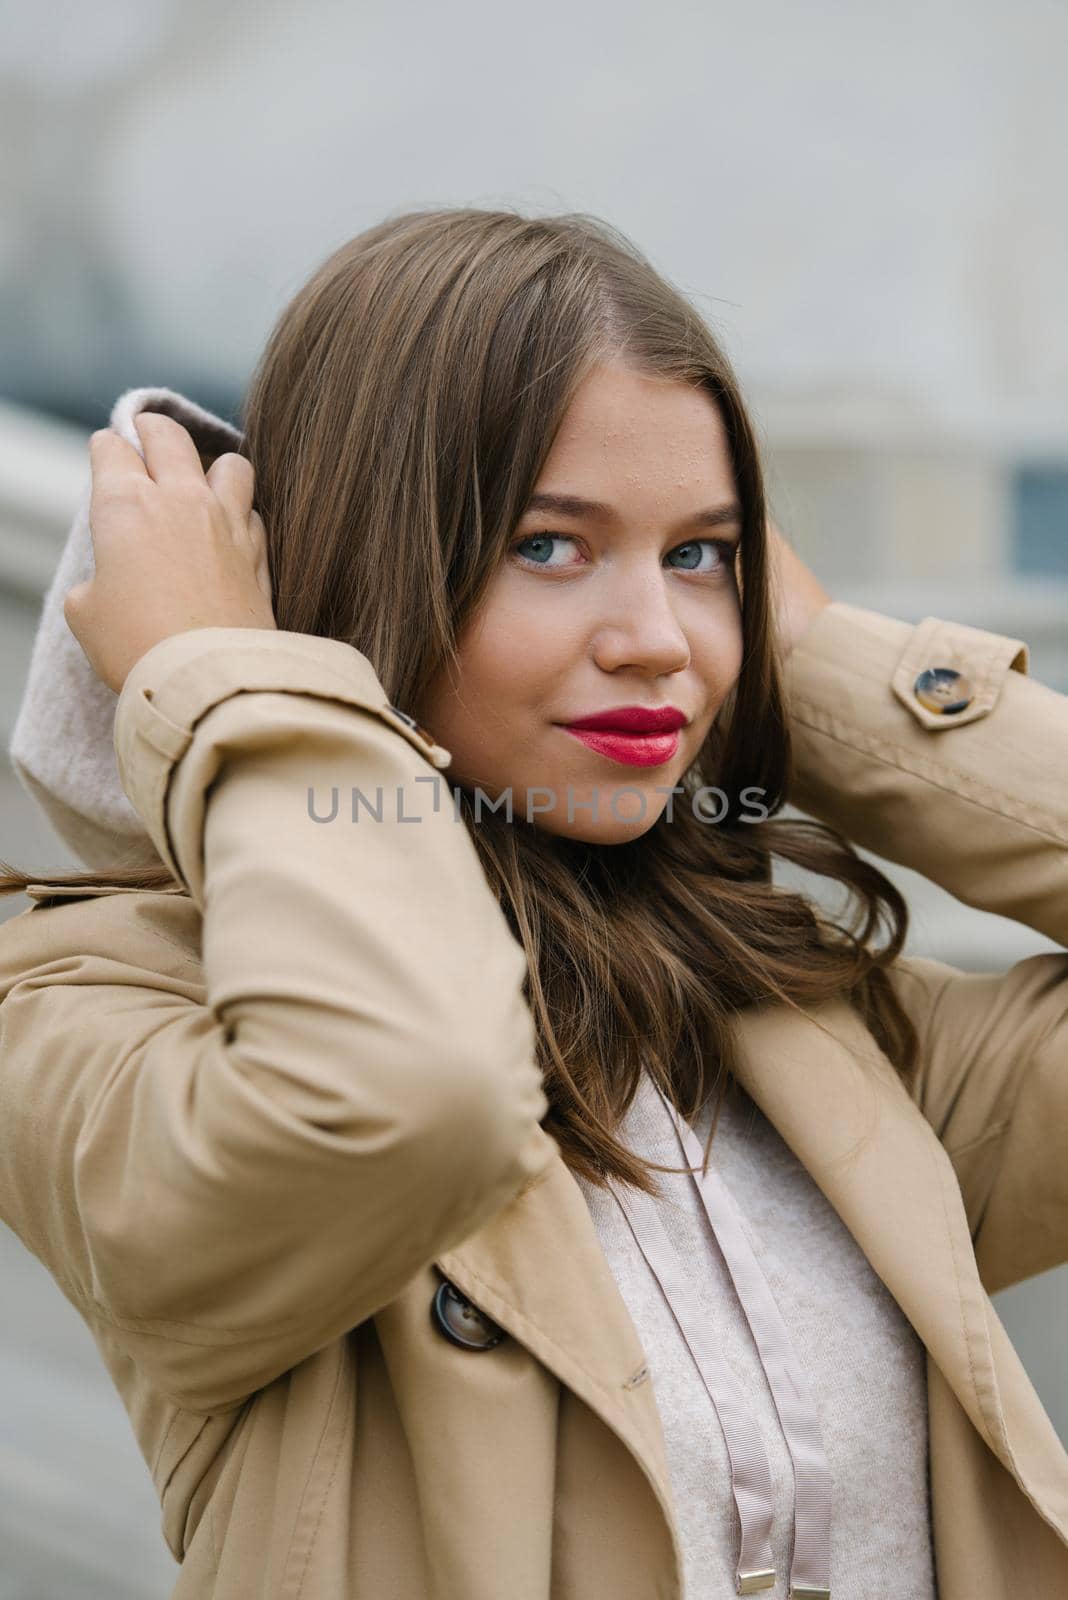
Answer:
(537, 1268)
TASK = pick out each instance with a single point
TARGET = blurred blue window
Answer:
(1040, 519)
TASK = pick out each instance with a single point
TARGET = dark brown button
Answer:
(944, 690)
(461, 1322)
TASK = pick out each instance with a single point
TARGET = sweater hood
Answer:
(62, 746)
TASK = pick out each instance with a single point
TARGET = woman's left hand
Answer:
(797, 595)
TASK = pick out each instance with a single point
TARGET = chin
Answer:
(606, 830)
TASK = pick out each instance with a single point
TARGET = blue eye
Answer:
(542, 539)
(723, 548)
(692, 551)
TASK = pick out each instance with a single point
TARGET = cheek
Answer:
(517, 652)
(495, 665)
(721, 657)
(495, 693)
(736, 653)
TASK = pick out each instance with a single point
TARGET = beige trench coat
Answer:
(249, 1127)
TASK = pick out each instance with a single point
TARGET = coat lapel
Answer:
(840, 1105)
(538, 1269)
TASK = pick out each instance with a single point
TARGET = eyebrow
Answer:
(573, 505)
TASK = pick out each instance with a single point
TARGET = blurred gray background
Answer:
(868, 203)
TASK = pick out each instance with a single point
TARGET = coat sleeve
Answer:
(234, 1160)
(977, 801)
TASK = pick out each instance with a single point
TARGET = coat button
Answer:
(943, 690)
(461, 1322)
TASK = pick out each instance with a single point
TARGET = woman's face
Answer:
(624, 596)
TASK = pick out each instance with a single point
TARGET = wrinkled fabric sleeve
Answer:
(978, 803)
(235, 1164)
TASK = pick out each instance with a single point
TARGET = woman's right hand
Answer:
(174, 547)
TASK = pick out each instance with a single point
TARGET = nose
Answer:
(637, 626)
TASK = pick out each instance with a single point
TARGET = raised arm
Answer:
(234, 1161)
(976, 799)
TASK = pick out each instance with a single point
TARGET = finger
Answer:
(110, 453)
(233, 480)
(75, 607)
(170, 453)
(258, 536)
(257, 532)
(75, 597)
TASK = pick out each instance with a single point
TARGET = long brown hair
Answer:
(397, 421)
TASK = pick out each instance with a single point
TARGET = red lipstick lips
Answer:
(635, 736)
(634, 719)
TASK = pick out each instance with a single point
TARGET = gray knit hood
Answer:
(62, 746)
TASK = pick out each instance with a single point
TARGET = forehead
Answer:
(640, 431)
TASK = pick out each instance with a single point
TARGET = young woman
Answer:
(480, 1177)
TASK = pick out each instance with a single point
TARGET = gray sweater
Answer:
(864, 1360)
